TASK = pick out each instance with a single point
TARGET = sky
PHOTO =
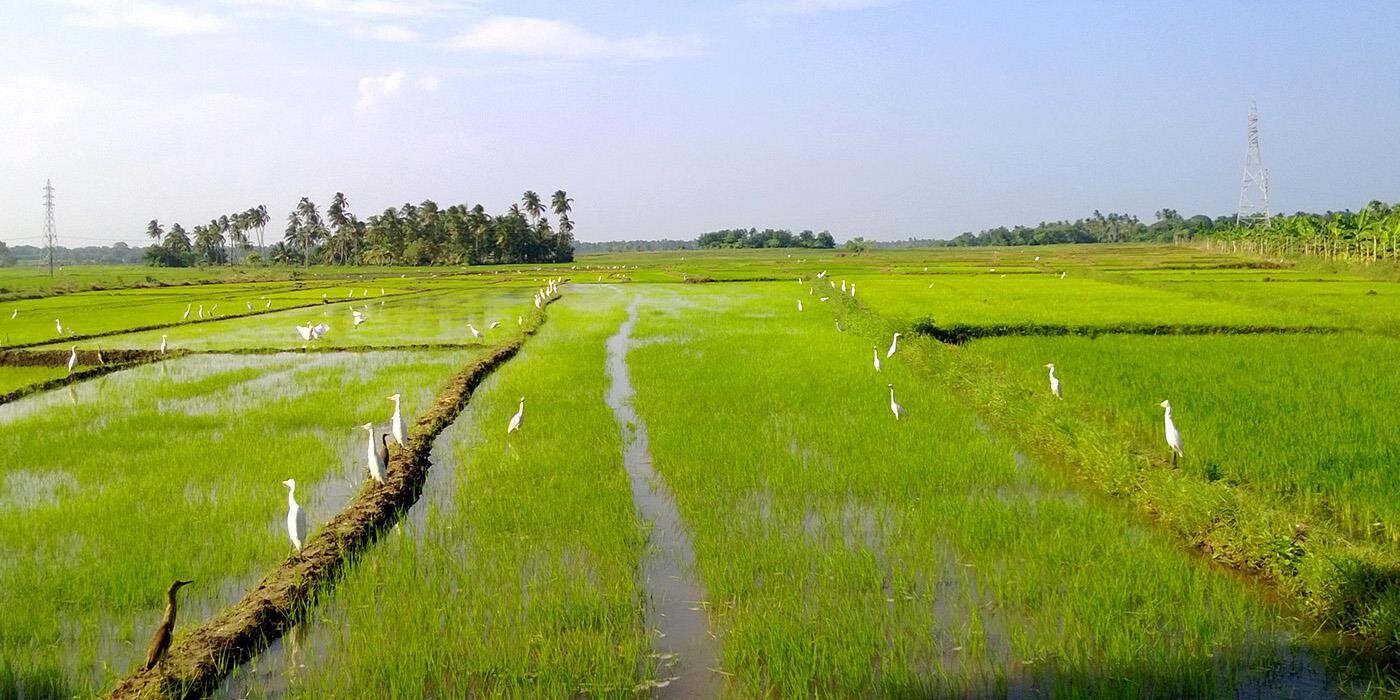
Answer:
(875, 118)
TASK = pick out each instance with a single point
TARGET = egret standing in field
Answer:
(495, 324)
(14, 315)
(73, 359)
(1173, 435)
(304, 332)
(894, 345)
(201, 311)
(161, 641)
(358, 317)
(799, 304)
(58, 325)
(853, 290)
(515, 419)
(475, 333)
(162, 344)
(519, 320)
(396, 425)
(843, 286)
(840, 327)
(377, 455)
(876, 352)
(1054, 381)
(296, 520)
(895, 408)
(186, 317)
(248, 304)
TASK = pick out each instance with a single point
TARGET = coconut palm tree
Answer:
(562, 202)
(176, 240)
(153, 230)
(533, 206)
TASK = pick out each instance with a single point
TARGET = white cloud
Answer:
(374, 89)
(545, 38)
(386, 32)
(429, 83)
(770, 8)
(154, 18)
(357, 8)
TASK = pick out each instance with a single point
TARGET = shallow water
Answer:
(683, 641)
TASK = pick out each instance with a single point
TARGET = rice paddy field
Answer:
(723, 480)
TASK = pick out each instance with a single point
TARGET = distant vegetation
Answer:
(422, 234)
(1370, 235)
(632, 246)
(767, 238)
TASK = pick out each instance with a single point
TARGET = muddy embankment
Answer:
(200, 658)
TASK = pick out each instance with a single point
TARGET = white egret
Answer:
(821, 274)
(811, 291)
(268, 305)
(853, 290)
(396, 426)
(876, 352)
(475, 333)
(304, 332)
(823, 298)
(1173, 435)
(187, 312)
(73, 359)
(894, 344)
(163, 344)
(296, 520)
(1037, 258)
(319, 330)
(519, 320)
(840, 327)
(1062, 275)
(495, 324)
(832, 283)
(201, 311)
(377, 455)
(248, 304)
(897, 409)
(843, 286)
(799, 304)
(58, 326)
(1054, 381)
(515, 419)
(213, 309)
(358, 317)
(14, 315)
(381, 291)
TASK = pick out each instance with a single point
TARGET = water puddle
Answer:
(682, 641)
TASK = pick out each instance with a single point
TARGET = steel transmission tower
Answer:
(50, 231)
(1254, 186)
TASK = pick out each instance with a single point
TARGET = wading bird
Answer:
(519, 320)
(876, 352)
(358, 317)
(319, 330)
(840, 327)
(515, 419)
(495, 324)
(894, 344)
(201, 311)
(897, 409)
(14, 315)
(304, 331)
(843, 286)
(1054, 381)
(1173, 435)
(73, 359)
(187, 312)
(161, 641)
(296, 520)
(268, 305)
(853, 290)
(162, 344)
(823, 298)
(58, 326)
(396, 426)
(248, 304)
(377, 459)
(213, 309)
(799, 304)
(1062, 275)
(475, 333)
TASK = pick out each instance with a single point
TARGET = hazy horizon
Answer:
(873, 118)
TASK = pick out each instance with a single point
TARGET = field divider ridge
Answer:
(199, 659)
(961, 333)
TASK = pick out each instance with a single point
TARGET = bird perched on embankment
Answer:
(161, 641)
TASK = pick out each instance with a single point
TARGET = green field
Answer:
(994, 540)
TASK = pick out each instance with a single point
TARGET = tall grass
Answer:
(173, 470)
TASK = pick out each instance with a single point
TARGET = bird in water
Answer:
(187, 312)
(1054, 381)
(304, 332)
(14, 315)
(897, 409)
(163, 344)
(358, 317)
(73, 359)
(58, 325)
(161, 641)
(1173, 435)
(515, 419)
(377, 454)
(894, 345)
(201, 311)
(475, 333)
(494, 324)
(876, 351)
(396, 426)
(296, 520)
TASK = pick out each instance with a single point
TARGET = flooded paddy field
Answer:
(713, 490)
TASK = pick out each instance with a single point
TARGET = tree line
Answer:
(767, 238)
(421, 234)
(1369, 235)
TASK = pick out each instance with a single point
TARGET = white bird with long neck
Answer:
(799, 304)
(517, 418)
(1173, 435)
(201, 311)
(296, 520)
(1054, 381)
(358, 317)
(73, 359)
(475, 333)
(304, 332)
(853, 290)
(495, 324)
(248, 304)
(58, 325)
(163, 344)
(894, 345)
(843, 286)
(376, 461)
(187, 312)
(268, 305)
(895, 408)
(876, 352)
(396, 424)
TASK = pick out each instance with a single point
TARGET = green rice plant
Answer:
(14, 378)
(111, 490)
(516, 572)
(847, 553)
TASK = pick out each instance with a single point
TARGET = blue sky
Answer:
(664, 119)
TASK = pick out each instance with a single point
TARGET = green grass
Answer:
(517, 575)
(13, 378)
(848, 554)
(171, 470)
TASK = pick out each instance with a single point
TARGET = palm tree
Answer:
(561, 201)
(176, 240)
(304, 228)
(533, 206)
(153, 230)
(260, 219)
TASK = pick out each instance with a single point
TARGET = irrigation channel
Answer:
(677, 600)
